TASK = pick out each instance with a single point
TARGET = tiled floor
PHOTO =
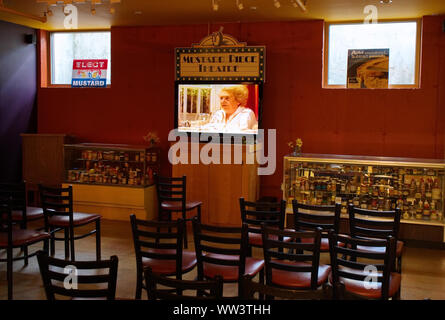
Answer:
(423, 269)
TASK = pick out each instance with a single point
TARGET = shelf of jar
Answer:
(408, 221)
(111, 184)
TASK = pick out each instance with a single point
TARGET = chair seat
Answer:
(399, 249)
(168, 267)
(230, 273)
(22, 237)
(324, 243)
(79, 219)
(256, 239)
(177, 205)
(299, 280)
(358, 287)
(32, 213)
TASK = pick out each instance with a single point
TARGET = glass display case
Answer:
(111, 164)
(416, 186)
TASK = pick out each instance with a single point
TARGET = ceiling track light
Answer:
(276, 3)
(239, 4)
(301, 4)
(215, 5)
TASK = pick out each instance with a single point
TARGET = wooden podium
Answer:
(219, 186)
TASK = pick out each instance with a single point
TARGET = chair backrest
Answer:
(373, 224)
(276, 257)
(213, 244)
(171, 189)
(78, 279)
(345, 265)
(254, 291)
(17, 193)
(311, 217)
(257, 213)
(56, 202)
(173, 289)
(158, 240)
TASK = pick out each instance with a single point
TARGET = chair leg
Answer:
(52, 242)
(25, 254)
(138, 285)
(9, 271)
(185, 231)
(73, 258)
(67, 243)
(199, 214)
(98, 251)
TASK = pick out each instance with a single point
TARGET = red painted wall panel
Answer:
(406, 123)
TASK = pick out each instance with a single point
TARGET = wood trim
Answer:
(416, 85)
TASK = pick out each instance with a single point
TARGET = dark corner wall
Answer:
(18, 89)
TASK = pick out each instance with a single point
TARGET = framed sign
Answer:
(89, 73)
(368, 68)
(220, 57)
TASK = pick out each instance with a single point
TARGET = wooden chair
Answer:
(57, 204)
(311, 217)
(21, 213)
(377, 225)
(372, 279)
(158, 245)
(257, 291)
(11, 238)
(256, 213)
(173, 289)
(290, 270)
(223, 251)
(172, 197)
(84, 278)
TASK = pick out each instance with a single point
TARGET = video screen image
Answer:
(218, 108)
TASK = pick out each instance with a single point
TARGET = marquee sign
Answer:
(220, 57)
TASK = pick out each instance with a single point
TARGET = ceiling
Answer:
(163, 12)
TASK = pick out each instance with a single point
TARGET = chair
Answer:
(78, 279)
(377, 225)
(21, 213)
(57, 204)
(371, 280)
(293, 270)
(171, 193)
(251, 289)
(11, 238)
(158, 245)
(223, 251)
(174, 288)
(311, 217)
(256, 213)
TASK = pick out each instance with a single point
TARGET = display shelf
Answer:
(416, 186)
(111, 164)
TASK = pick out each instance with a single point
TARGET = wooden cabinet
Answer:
(43, 160)
(219, 187)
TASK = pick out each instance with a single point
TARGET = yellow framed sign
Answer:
(220, 60)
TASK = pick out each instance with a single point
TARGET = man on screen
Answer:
(233, 116)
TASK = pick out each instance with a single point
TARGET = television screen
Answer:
(218, 108)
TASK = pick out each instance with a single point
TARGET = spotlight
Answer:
(215, 5)
(276, 3)
(239, 5)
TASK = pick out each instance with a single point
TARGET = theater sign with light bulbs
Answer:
(220, 57)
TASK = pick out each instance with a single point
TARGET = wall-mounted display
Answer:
(416, 186)
(110, 164)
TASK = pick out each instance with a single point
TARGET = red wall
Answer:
(404, 123)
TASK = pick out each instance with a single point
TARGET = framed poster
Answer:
(368, 68)
(89, 73)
